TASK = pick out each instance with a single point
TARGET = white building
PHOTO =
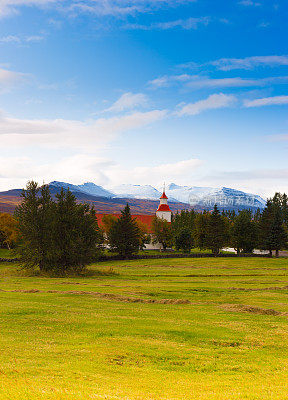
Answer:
(163, 210)
(165, 213)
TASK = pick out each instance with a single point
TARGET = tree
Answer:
(76, 235)
(272, 231)
(58, 236)
(124, 235)
(184, 240)
(145, 237)
(218, 231)
(201, 230)
(108, 221)
(35, 227)
(183, 226)
(162, 232)
(8, 230)
(244, 232)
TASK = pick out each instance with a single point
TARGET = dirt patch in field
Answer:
(68, 283)
(260, 289)
(23, 291)
(251, 309)
(109, 296)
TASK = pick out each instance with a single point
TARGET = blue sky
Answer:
(145, 91)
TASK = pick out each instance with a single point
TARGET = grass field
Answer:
(4, 253)
(149, 329)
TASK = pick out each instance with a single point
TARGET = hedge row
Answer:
(192, 255)
(9, 260)
(159, 256)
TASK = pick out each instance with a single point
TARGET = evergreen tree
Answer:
(184, 240)
(162, 232)
(201, 230)
(183, 224)
(244, 232)
(34, 227)
(218, 231)
(58, 236)
(284, 207)
(76, 235)
(124, 236)
(272, 231)
(257, 216)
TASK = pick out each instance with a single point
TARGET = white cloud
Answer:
(10, 39)
(223, 82)
(128, 101)
(97, 7)
(214, 101)
(163, 81)
(266, 101)
(264, 182)
(199, 82)
(11, 6)
(181, 171)
(21, 40)
(228, 64)
(33, 38)
(249, 3)
(189, 23)
(60, 133)
(11, 78)
(278, 138)
(16, 171)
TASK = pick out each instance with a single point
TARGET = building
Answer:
(163, 210)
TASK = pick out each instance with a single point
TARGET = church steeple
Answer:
(163, 210)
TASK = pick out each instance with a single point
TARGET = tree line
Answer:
(244, 230)
(60, 235)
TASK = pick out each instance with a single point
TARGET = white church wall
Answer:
(164, 215)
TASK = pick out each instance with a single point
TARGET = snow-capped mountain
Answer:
(207, 196)
(95, 190)
(202, 197)
(147, 192)
(87, 188)
(183, 193)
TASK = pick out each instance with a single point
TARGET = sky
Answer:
(144, 92)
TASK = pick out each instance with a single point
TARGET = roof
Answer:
(164, 196)
(164, 207)
(144, 219)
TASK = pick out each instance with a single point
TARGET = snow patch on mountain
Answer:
(146, 192)
(208, 197)
(87, 188)
(95, 190)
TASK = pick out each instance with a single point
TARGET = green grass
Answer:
(5, 253)
(88, 339)
(157, 252)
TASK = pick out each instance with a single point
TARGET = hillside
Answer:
(103, 205)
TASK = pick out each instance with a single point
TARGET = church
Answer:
(163, 211)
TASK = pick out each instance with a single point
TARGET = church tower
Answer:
(164, 211)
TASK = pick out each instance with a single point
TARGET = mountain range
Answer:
(144, 199)
(193, 195)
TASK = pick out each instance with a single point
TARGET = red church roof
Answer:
(164, 207)
(144, 219)
(163, 196)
